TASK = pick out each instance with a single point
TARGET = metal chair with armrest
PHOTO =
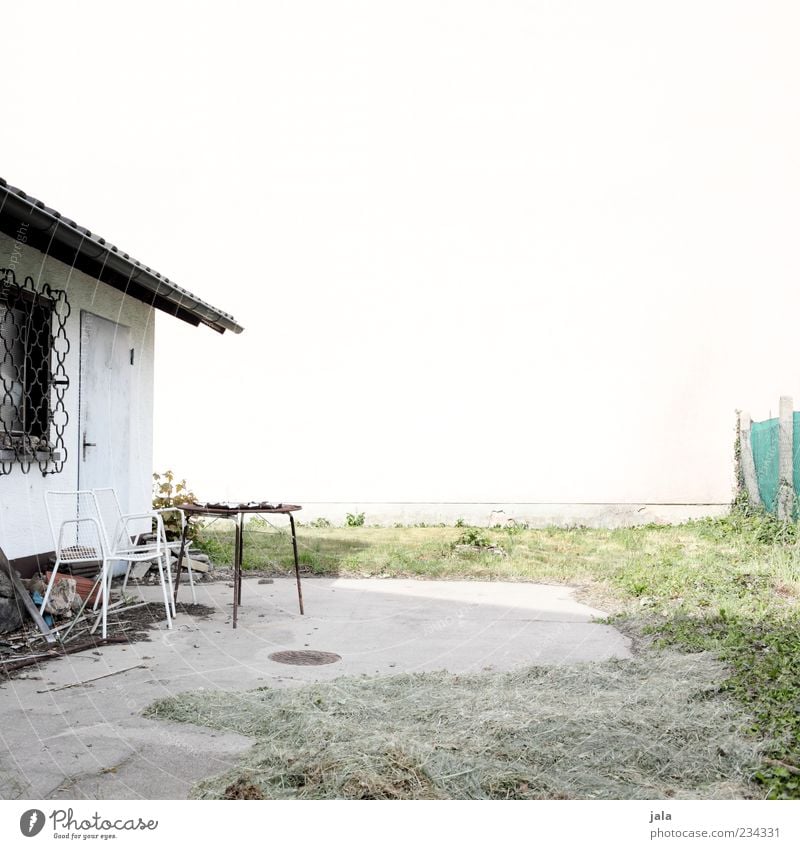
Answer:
(112, 512)
(86, 531)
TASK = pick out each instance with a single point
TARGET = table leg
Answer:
(236, 568)
(296, 565)
(180, 561)
(241, 559)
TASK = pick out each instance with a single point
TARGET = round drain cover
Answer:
(305, 658)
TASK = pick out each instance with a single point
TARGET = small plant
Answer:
(167, 492)
(322, 522)
(474, 537)
(218, 551)
(460, 523)
(637, 588)
(354, 520)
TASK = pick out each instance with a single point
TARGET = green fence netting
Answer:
(764, 441)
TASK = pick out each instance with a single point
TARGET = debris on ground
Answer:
(11, 612)
(22, 658)
(651, 728)
(93, 679)
(242, 789)
(63, 599)
(480, 549)
(135, 623)
(21, 598)
(202, 568)
(85, 588)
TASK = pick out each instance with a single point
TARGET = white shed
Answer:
(76, 367)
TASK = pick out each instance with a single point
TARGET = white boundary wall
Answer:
(498, 513)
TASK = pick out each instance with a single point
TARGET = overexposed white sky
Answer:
(483, 251)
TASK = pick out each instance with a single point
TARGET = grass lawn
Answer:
(728, 586)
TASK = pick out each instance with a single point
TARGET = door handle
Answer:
(87, 445)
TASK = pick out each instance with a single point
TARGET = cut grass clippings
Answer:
(642, 729)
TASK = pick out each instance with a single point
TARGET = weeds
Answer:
(474, 537)
(752, 525)
(322, 522)
(763, 656)
(354, 520)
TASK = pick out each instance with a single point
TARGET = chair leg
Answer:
(170, 593)
(168, 567)
(164, 590)
(109, 579)
(105, 587)
(106, 581)
(127, 575)
(191, 579)
(101, 588)
(50, 585)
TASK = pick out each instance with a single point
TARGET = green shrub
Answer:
(354, 520)
(752, 525)
(474, 537)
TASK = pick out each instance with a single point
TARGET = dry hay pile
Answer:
(654, 729)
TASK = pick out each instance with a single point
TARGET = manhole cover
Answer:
(305, 658)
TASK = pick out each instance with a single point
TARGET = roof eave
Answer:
(78, 247)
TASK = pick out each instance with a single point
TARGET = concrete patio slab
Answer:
(90, 741)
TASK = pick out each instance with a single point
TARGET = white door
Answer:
(105, 409)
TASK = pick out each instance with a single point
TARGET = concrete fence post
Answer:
(746, 460)
(785, 459)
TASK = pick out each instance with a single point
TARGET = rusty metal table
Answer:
(237, 512)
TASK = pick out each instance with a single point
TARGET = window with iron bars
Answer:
(33, 378)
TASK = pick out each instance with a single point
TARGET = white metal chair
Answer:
(78, 537)
(174, 545)
(125, 532)
(113, 517)
(81, 534)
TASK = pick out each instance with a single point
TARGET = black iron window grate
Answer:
(33, 377)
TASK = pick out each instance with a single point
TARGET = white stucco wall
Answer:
(23, 520)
